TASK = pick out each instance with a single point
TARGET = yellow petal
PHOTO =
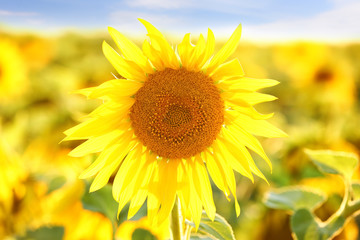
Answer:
(139, 185)
(95, 144)
(251, 98)
(258, 127)
(125, 68)
(153, 205)
(167, 54)
(242, 156)
(232, 99)
(201, 179)
(130, 167)
(235, 157)
(132, 177)
(185, 50)
(240, 136)
(229, 69)
(151, 29)
(104, 175)
(230, 115)
(253, 167)
(116, 158)
(195, 206)
(137, 201)
(130, 50)
(225, 51)
(99, 163)
(112, 108)
(217, 173)
(183, 188)
(209, 48)
(99, 126)
(153, 201)
(160, 43)
(230, 178)
(197, 56)
(85, 91)
(116, 88)
(153, 55)
(168, 180)
(245, 83)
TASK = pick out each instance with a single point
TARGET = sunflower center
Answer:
(323, 75)
(177, 113)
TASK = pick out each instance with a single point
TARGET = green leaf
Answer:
(44, 233)
(142, 234)
(56, 183)
(101, 201)
(200, 237)
(218, 229)
(305, 227)
(328, 161)
(333, 227)
(294, 198)
(355, 186)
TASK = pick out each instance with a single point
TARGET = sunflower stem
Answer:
(176, 221)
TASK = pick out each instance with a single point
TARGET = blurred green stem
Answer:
(176, 221)
(353, 208)
(348, 208)
(347, 195)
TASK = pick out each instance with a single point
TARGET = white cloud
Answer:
(229, 6)
(156, 4)
(126, 21)
(17, 14)
(173, 27)
(341, 23)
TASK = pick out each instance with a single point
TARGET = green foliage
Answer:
(200, 237)
(44, 233)
(294, 198)
(303, 201)
(101, 201)
(142, 234)
(218, 229)
(305, 226)
(334, 162)
(355, 190)
(56, 183)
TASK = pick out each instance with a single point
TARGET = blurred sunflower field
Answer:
(41, 196)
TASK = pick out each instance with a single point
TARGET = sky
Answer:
(262, 20)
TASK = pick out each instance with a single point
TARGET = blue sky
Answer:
(262, 20)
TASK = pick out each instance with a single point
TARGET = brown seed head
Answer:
(177, 113)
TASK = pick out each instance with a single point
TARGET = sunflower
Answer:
(13, 79)
(13, 178)
(138, 229)
(325, 75)
(173, 115)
